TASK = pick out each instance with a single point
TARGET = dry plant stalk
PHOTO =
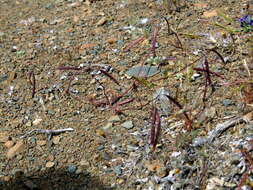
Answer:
(188, 121)
(154, 40)
(112, 99)
(156, 127)
(134, 43)
(48, 132)
(32, 81)
(172, 31)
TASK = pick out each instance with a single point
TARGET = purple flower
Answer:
(246, 21)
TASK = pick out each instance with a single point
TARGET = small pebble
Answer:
(17, 148)
(127, 125)
(118, 170)
(6, 178)
(8, 144)
(100, 132)
(56, 139)
(154, 165)
(108, 126)
(114, 118)
(162, 172)
(120, 181)
(112, 40)
(41, 142)
(2, 34)
(49, 164)
(79, 171)
(106, 156)
(132, 147)
(4, 137)
(227, 102)
(19, 157)
(50, 112)
(195, 76)
(102, 21)
(37, 121)
(72, 169)
(101, 147)
(33, 140)
(84, 163)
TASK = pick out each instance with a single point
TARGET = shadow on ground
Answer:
(53, 180)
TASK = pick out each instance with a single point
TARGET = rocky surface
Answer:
(79, 65)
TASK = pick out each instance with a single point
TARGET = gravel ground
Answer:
(147, 95)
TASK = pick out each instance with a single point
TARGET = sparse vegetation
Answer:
(177, 73)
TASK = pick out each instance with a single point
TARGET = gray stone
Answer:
(72, 169)
(127, 125)
(114, 118)
(227, 102)
(101, 147)
(118, 170)
(107, 127)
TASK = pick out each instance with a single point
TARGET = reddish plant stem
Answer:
(219, 55)
(125, 102)
(67, 68)
(134, 43)
(203, 176)
(30, 78)
(34, 85)
(111, 100)
(153, 121)
(172, 31)
(211, 72)
(208, 78)
(116, 107)
(157, 129)
(32, 81)
(110, 76)
(205, 89)
(154, 40)
(69, 84)
(187, 118)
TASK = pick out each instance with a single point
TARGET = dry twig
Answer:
(46, 131)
